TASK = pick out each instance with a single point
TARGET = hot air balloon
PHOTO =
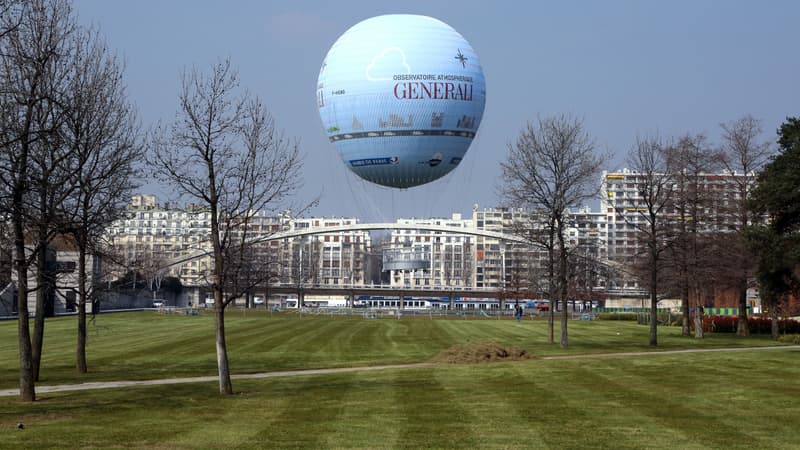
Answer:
(401, 98)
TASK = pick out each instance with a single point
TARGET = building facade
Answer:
(709, 202)
(153, 236)
(424, 258)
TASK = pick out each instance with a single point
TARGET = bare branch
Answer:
(224, 152)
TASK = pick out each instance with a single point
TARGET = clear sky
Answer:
(625, 67)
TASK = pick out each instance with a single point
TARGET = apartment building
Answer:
(335, 258)
(152, 236)
(623, 206)
(424, 258)
(522, 267)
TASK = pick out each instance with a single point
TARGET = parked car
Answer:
(158, 303)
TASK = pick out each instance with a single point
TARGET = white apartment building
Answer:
(335, 258)
(425, 258)
(622, 204)
(500, 264)
(151, 236)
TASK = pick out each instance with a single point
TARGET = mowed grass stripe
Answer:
(534, 412)
(502, 413)
(430, 414)
(749, 383)
(364, 423)
(597, 403)
(357, 341)
(644, 407)
(637, 400)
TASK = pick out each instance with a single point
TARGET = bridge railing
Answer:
(381, 287)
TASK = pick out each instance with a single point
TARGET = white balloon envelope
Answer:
(401, 98)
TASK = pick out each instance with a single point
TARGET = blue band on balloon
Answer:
(374, 134)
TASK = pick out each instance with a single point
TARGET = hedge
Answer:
(757, 325)
(617, 316)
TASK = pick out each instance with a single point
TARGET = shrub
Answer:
(757, 325)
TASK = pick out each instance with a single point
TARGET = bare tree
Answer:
(552, 167)
(49, 187)
(33, 49)
(154, 271)
(654, 198)
(10, 16)
(224, 152)
(690, 160)
(100, 132)
(744, 154)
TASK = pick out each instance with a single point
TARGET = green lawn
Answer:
(744, 399)
(150, 345)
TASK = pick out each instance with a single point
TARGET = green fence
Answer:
(721, 312)
(706, 311)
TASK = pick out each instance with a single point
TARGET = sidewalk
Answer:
(207, 379)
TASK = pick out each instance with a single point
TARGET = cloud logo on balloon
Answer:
(386, 64)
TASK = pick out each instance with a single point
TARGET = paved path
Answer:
(286, 373)
(290, 373)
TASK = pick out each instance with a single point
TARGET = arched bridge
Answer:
(311, 231)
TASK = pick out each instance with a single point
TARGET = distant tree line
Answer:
(691, 235)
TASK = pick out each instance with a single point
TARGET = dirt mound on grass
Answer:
(476, 352)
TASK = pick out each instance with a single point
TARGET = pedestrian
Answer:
(518, 312)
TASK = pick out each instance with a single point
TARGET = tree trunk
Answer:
(562, 281)
(698, 311)
(27, 390)
(742, 328)
(564, 319)
(654, 303)
(685, 328)
(42, 289)
(551, 287)
(773, 315)
(225, 386)
(80, 353)
(27, 382)
(551, 316)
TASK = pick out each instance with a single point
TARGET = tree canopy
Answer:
(778, 191)
(777, 196)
